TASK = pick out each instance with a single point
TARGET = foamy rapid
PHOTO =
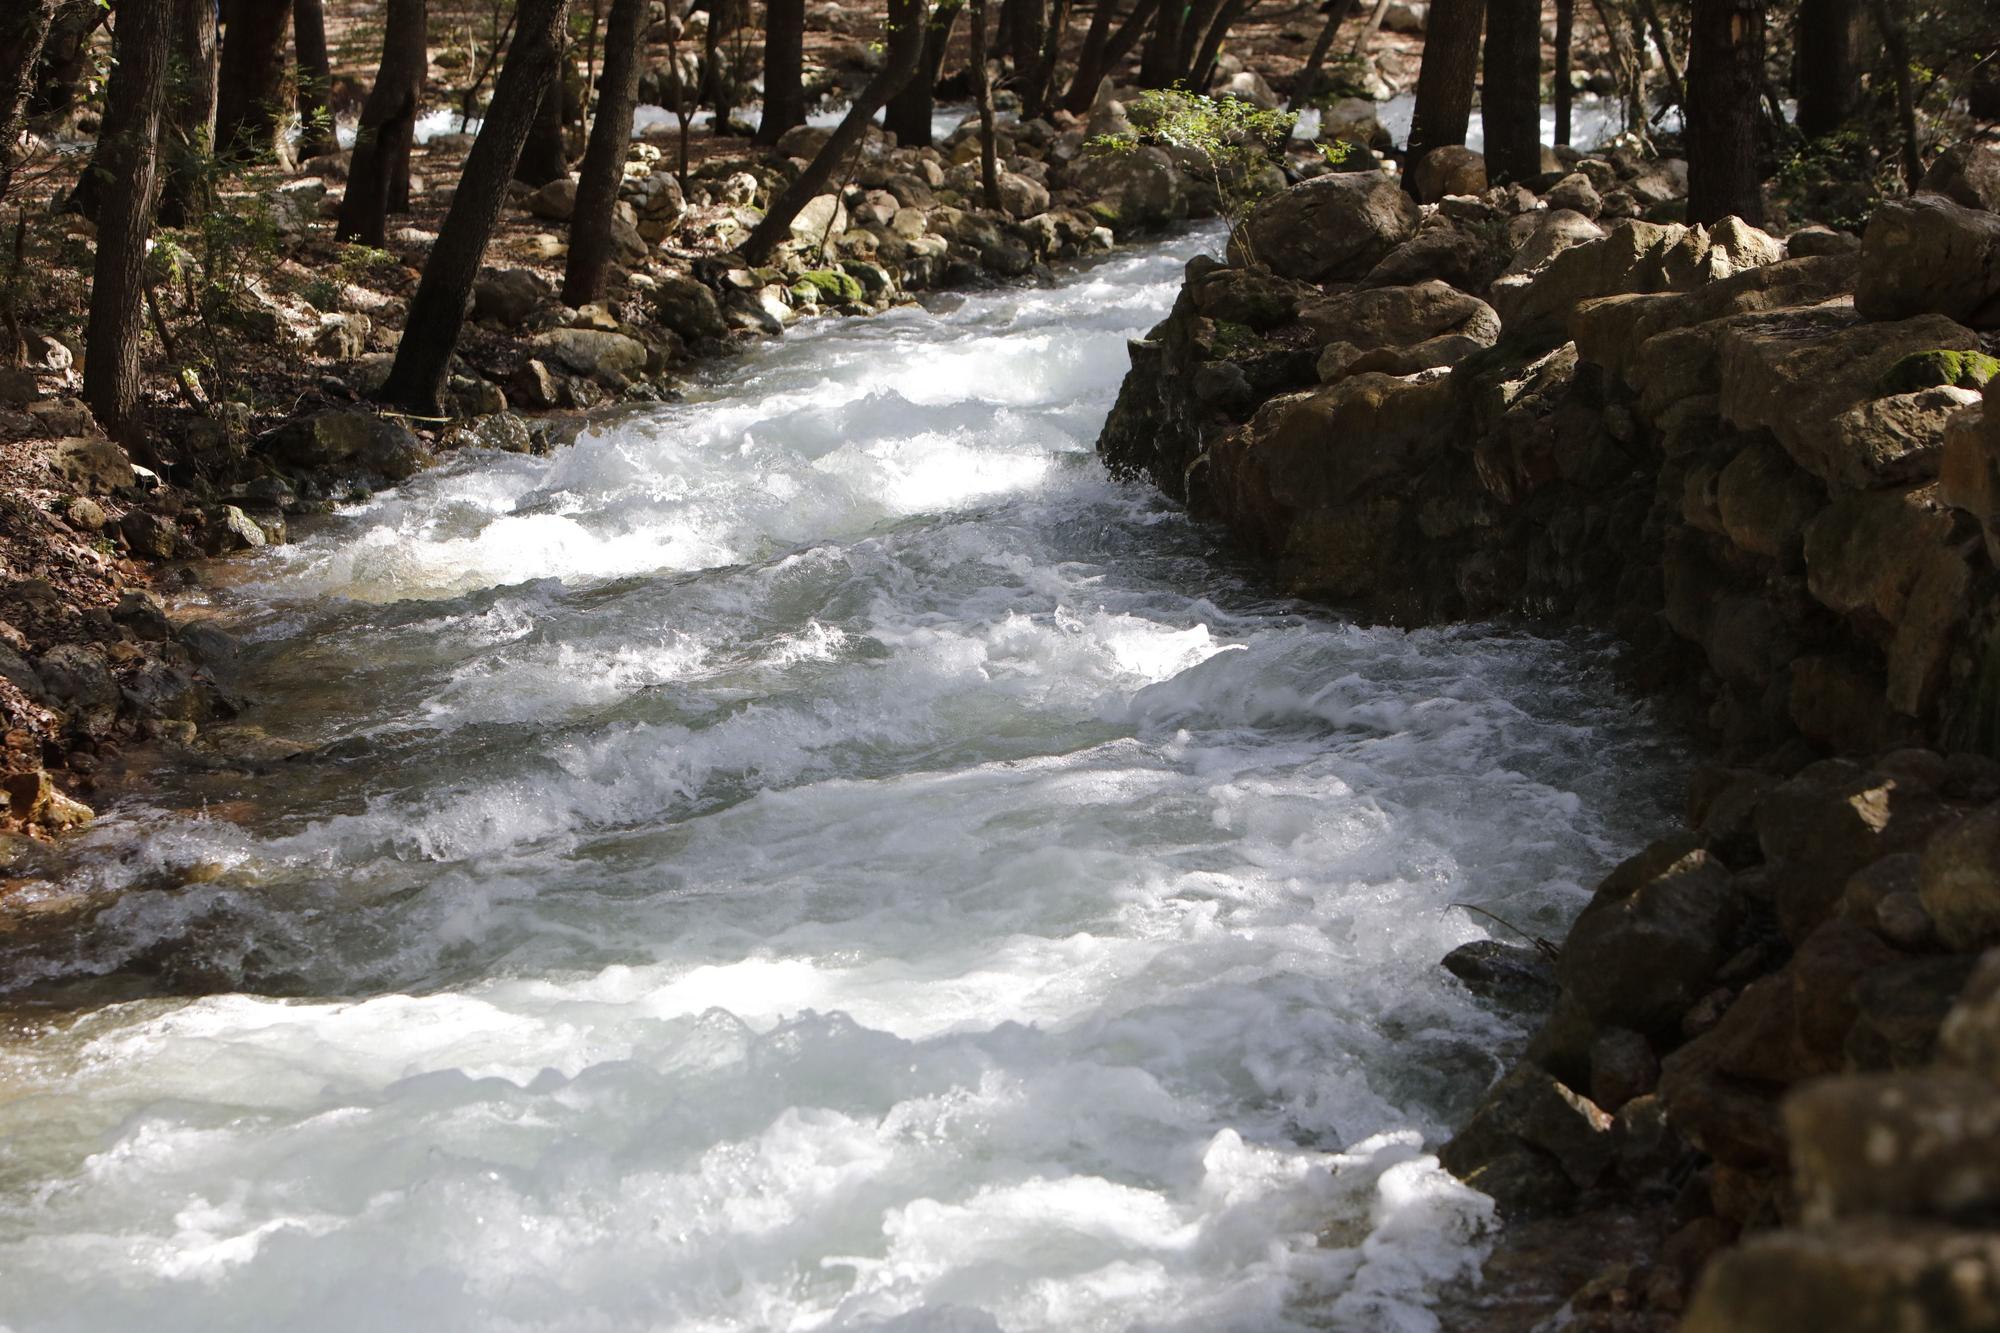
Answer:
(817, 856)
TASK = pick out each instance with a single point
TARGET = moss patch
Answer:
(1927, 370)
(828, 286)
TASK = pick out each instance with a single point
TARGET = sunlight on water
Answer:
(818, 856)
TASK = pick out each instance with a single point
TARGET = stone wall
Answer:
(1768, 465)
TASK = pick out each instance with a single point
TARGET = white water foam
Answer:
(819, 856)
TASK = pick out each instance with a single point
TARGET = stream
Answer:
(815, 855)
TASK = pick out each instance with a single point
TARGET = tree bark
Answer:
(1158, 65)
(1373, 25)
(1041, 86)
(188, 131)
(906, 53)
(1083, 87)
(1896, 43)
(723, 21)
(982, 96)
(1444, 80)
(545, 157)
(1724, 78)
(65, 56)
(1829, 73)
(1024, 28)
(1201, 71)
(131, 134)
(316, 132)
(380, 169)
(437, 311)
(1512, 103)
(252, 80)
(1306, 87)
(1090, 58)
(909, 113)
(784, 69)
(1194, 26)
(604, 157)
(1562, 91)
(21, 37)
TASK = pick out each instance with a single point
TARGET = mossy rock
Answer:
(828, 286)
(1233, 340)
(1927, 370)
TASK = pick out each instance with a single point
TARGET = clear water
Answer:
(820, 855)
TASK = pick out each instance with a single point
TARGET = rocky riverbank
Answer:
(1764, 460)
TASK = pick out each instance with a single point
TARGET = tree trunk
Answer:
(251, 97)
(21, 36)
(1194, 26)
(1562, 91)
(437, 311)
(1307, 85)
(65, 58)
(1373, 26)
(131, 134)
(1201, 72)
(909, 113)
(1896, 43)
(1024, 36)
(545, 157)
(906, 54)
(1444, 80)
(1083, 87)
(982, 96)
(380, 169)
(1512, 103)
(1724, 76)
(718, 71)
(1159, 66)
(1035, 98)
(1090, 59)
(188, 132)
(784, 69)
(604, 157)
(316, 132)
(1829, 73)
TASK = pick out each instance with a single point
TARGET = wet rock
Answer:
(510, 296)
(77, 678)
(162, 691)
(1530, 1109)
(1900, 1008)
(1397, 330)
(1330, 227)
(149, 535)
(33, 799)
(341, 436)
(94, 465)
(1450, 169)
(1649, 943)
(1859, 1277)
(1622, 1067)
(143, 614)
(1929, 255)
(1505, 974)
(1131, 190)
(1828, 821)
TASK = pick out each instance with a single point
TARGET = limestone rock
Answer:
(1929, 255)
(1397, 330)
(1131, 190)
(1450, 169)
(688, 308)
(76, 677)
(1967, 174)
(336, 436)
(1531, 1108)
(509, 296)
(599, 353)
(1331, 227)
(94, 465)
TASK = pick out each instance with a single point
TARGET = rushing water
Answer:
(820, 855)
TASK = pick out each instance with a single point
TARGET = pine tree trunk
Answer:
(1511, 105)
(1444, 81)
(906, 55)
(250, 98)
(982, 96)
(545, 157)
(1307, 85)
(1562, 92)
(131, 133)
(909, 113)
(188, 131)
(380, 168)
(21, 36)
(784, 69)
(437, 311)
(316, 132)
(604, 157)
(1724, 79)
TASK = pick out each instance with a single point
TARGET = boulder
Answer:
(1967, 174)
(343, 336)
(554, 202)
(1929, 255)
(1330, 227)
(1828, 821)
(1808, 242)
(688, 307)
(78, 679)
(823, 217)
(1901, 1007)
(599, 353)
(1130, 190)
(509, 296)
(1896, 1145)
(342, 436)
(1022, 196)
(1557, 270)
(1444, 252)
(1576, 194)
(1648, 944)
(1450, 169)
(1866, 551)
(1397, 330)
(1253, 297)
(1959, 883)
(1764, 501)
(1505, 974)
(1530, 1108)
(94, 465)
(1865, 1276)
(1970, 1036)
